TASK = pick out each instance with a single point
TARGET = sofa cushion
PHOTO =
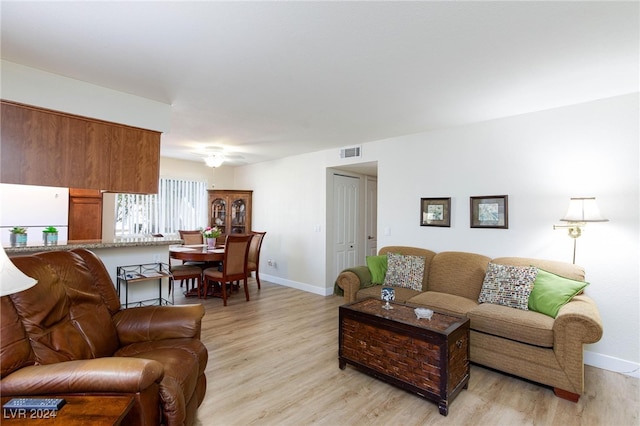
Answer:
(443, 302)
(508, 285)
(458, 273)
(551, 292)
(44, 310)
(87, 310)
(402, 294)
(567, 270)
(404, 271)
(184, 361)
(515, 324)
(378, 267)
(15, 351)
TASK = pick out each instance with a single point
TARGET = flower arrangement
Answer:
(211, 232)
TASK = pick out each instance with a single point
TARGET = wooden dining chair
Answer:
(191, 237)
(192, 274)
(186, 271)
(253, 264)
(234, 266)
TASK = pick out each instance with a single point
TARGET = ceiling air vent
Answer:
(350, 152)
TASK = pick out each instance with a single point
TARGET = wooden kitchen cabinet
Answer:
(135, 161)
(85, 214)
(51, 148)
(230, 210)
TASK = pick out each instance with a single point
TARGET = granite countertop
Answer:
(95, 244)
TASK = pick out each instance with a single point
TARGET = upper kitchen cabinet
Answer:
(50, 148)
(135, 161)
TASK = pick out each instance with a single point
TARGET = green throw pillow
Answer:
(378, 268)
(551, 292)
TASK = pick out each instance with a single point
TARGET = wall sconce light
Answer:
(214, 160)
(581, 210)
(12, 279)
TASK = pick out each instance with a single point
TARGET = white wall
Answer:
(540, 160)
(35, 87)
(218, 178)
(289, 203)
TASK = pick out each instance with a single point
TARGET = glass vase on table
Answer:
(388, 294)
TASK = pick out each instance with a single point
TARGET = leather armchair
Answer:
(69, 335)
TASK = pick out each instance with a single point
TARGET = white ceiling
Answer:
(264, 80)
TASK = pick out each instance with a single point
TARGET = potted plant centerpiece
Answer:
(50, 236)
(210, 234)
(18, 236)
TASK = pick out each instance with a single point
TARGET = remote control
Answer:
(35, 403)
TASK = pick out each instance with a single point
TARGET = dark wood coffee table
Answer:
(80, 410)
(427, 357)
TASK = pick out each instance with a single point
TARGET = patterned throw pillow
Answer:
(508, 285)
(404, 271)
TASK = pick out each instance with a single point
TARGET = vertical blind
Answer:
(179, 204)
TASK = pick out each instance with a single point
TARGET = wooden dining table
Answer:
(197, 253)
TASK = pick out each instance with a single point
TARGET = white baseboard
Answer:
(594, 359)
(610, 363)
(297, 285)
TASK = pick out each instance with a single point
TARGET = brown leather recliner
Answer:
(69, 335)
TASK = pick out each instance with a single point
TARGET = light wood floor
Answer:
(273, 361)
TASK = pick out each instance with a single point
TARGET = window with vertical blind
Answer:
(179, 204)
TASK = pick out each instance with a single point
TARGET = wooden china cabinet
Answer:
(230, 211)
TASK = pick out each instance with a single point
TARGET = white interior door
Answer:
(371, 211)
(346, 195)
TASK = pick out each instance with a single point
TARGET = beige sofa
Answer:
(520, 342)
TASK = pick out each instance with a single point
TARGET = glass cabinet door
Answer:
(219, 214)
(238, 216)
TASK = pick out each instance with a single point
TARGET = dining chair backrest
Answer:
(236, 251)
(254, 247)
(191, 237)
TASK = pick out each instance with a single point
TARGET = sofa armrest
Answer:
(577, 324)
(104, 375)
(151, 323)
(352, 280)
(579, 320)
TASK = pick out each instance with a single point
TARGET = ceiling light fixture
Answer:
(214, 160)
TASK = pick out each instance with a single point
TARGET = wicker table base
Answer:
(427, 357)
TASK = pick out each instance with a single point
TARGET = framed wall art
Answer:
(435, 212)
(491, 211)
